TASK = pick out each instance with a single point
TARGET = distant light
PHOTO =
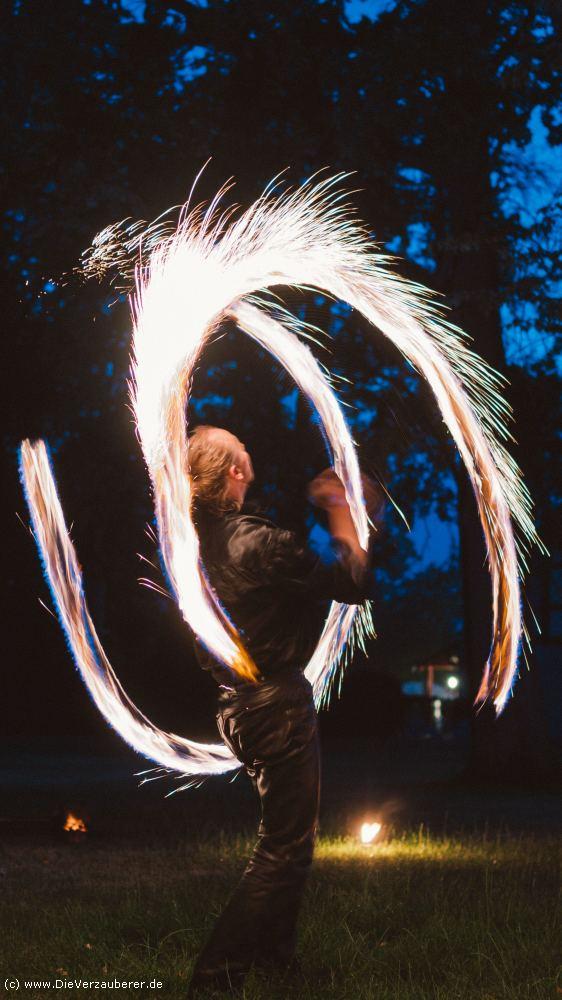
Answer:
(452, 682)
(369, 831)
(73, 824)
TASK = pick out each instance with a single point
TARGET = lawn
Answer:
(415, 916)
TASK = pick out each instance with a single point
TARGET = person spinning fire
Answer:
(272, 588)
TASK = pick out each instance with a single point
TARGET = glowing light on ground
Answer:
(369, 831)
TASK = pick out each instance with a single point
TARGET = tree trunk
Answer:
(516, 745)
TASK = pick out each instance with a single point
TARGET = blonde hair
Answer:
(209, 458)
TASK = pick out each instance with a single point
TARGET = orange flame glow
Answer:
(74, 824)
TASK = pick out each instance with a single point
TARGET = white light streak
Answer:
(188, 281)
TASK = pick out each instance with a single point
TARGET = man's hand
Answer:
(327, 491)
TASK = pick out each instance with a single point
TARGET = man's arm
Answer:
(274, 557)
(327, 491)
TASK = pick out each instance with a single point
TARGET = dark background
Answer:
(450, 117)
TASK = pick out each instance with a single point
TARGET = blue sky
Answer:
(355, 8)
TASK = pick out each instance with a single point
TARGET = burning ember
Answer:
(74, 825)
(369, 831)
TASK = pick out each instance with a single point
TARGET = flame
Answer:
(187, 281)
(74, 824)
(369, 831)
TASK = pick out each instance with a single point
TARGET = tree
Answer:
(455, 115)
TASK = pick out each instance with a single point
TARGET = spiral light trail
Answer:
(188, 281)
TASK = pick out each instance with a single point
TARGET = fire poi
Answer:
(186, 280)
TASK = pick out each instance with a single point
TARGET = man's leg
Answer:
(288, 783)
(274, 733)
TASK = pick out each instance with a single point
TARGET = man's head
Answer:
(220, 469)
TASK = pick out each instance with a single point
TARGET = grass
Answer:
(412, 918)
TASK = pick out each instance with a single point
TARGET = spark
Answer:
(186, 281)
(65, 578)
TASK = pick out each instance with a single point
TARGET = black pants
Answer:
(272, 729)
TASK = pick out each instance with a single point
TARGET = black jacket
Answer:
(273, 588)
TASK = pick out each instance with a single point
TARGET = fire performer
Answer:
(185, 281)
(271, 586)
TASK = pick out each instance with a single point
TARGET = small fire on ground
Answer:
(74, 824)
(369, 831)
